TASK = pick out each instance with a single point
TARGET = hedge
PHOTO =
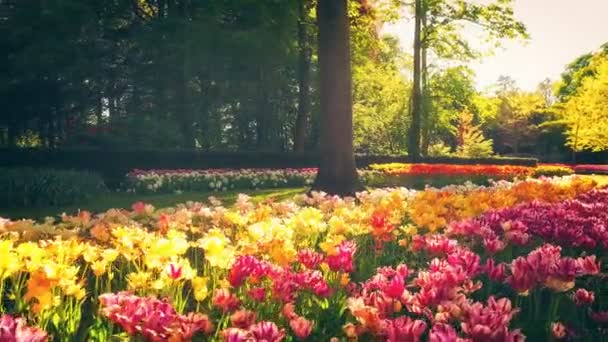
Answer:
(29, 187)
(114, 164)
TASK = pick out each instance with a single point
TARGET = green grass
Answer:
(125, 200)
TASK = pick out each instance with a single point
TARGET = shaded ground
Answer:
(125, 200)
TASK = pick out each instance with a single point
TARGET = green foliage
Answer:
(517, 121)
(24, 187)
(446, 20)
(576, 72)
(451, 91)
(216, 75)
(439, 149)
(586, 114)
(29, 139)
(471, 142)
(379, 108)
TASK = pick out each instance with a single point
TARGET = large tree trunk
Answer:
(414, 134)
(337, 170)
(304, 51)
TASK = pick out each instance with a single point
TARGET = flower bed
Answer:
(596, 169)
(394, 174)
(454, 170)
(217, 179)
(460, 263)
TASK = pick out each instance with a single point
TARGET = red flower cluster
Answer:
(154, 319)
(440, 297)
(546, 267)
(591, 168)
(286, 282)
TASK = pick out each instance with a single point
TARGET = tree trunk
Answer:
(337, 170)
(99, 115)
(12, 134)
(303, 118)
(183, 99)
(161, 8)
(414, 136)
(53, 128)
(264, 130)
(113, 111)
(425, 104)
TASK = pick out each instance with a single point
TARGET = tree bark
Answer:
(99, 115)
(337, 170)
(304, 56)
(182, 77)
(414, 136)
(112, 110)
(11, 135)
(424, 70)
(266, 132)
(161, 8)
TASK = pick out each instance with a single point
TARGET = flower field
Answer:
(504, 262)
(393, 174)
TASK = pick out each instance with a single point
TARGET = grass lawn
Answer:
(125, 200)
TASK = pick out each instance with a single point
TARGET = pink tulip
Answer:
(243, 319)
(583, 297)
(225, 300)
(301, 327)
(309, 258)
(16, 330)
(267, 331)
(558, 330)
(443, 333)
(342, 261)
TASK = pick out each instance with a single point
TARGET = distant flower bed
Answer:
(218, 179)
(394, 174)
(549, 170)
(599, 169)
(499, 171)
(505, 262)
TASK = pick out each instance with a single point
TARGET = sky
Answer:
(560, 31)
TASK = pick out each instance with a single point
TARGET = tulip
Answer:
(301, 327)
(243, 319)
(583, 297)
(267, 331)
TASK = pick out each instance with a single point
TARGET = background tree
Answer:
(337, 170)
(577, 71)
(438, 26)
(304, 76)
(470, 139)
(227, 75)
(586, 113)
(451, 91)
